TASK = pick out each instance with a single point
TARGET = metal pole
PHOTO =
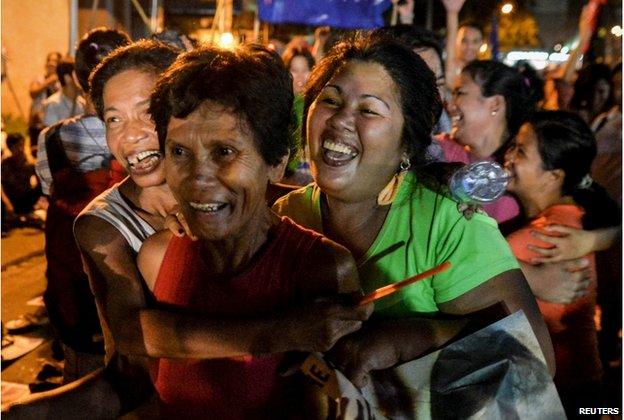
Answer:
(154, 16)
(429, 23)
(73, 26)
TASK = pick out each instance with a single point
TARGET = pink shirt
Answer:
(503, 209)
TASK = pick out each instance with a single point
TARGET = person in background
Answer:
(462, 41)
(73, 166)
(299, 61)
(40, 89)
(593, 92)
(67, 101)
(368, 134)
(424, 43)
(607, 171)
(19, 182)
(490, 102)
(549, 167)
(224, 121)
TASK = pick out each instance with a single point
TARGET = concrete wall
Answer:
(30, 29)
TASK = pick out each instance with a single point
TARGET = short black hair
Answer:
(92, 49)
(13, 140)
(418, 94)
(146, 55)
(416, 38)
(251, 80)
(65, 67)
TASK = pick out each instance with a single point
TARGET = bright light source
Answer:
(527, 55)
(617, 30)
(557, 47)
(558, 57)
(483, 48)
(226, 40)
(507, 8)
(565, 50)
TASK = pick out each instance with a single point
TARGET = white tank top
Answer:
(111, 207)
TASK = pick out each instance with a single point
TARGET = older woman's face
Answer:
(216, 173)
(130, 132)
(354, 130)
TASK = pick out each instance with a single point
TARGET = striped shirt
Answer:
(84, 142)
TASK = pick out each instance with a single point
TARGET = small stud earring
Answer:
(494, 113)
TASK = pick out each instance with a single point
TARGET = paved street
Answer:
(23, 278)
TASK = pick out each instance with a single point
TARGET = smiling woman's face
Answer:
(130, 132)
(354, 130)
(216, 172)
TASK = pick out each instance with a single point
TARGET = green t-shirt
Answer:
(422, 229)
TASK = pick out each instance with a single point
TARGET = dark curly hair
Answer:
(92, 49)
(251, 80)
(418, 95)
(148, 56)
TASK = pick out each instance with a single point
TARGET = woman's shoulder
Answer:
(152, 255)
(302, 206)
(453, 151)
(431, 206)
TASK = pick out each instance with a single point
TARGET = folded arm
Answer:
(386, 343)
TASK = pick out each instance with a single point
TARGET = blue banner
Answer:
(349, 14)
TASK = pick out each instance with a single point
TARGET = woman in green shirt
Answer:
(369, 108)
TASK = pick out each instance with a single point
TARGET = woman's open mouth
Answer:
(336, 153)
(210, 208)
(144, 162)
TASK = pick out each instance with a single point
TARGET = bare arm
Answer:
(452, 22)
(37, 87)
(387, 343)
(561, 282)
(574, 243)
(314, 327)
(585, 35)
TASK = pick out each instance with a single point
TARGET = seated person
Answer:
(19, 181)
(224, 120)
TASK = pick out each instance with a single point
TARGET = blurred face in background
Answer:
(469, 41)
(601, 95)
(300, 71)
(51, 61)
(432, 59)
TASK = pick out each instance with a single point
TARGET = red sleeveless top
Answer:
(229, 388)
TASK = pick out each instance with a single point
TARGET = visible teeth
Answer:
(133, 160)
(206, 206)
(338, 147)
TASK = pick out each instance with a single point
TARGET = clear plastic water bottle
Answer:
(478, 182)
